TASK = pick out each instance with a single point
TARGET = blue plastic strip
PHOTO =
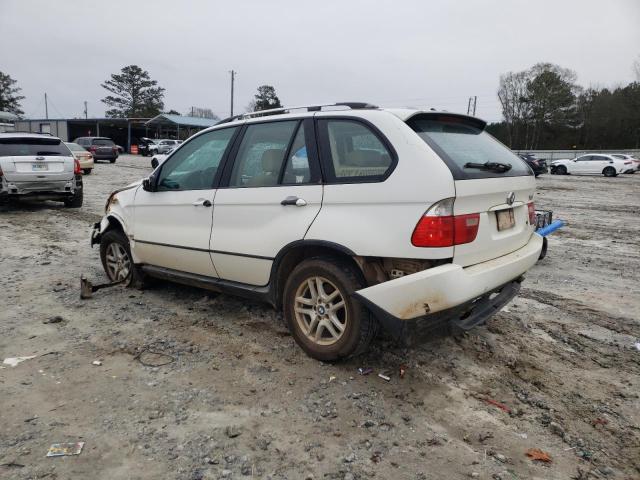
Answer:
(552, 227)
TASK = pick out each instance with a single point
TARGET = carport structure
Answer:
(178, 126)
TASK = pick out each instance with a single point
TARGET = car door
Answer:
(268, 198)
(172, 224)
(599, 163)
(581, 165)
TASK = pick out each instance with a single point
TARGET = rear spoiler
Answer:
(450, 117)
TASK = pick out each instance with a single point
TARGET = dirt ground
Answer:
(556, 370)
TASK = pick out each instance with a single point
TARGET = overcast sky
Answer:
(433, 53)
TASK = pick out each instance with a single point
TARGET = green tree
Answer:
(134, 94)
(10, 95)
(266, 98)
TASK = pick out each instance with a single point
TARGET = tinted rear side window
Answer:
(21, 147)
(353, 152)
(102, 141)
(460, 143)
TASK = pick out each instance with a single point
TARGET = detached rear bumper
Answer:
(451, 289)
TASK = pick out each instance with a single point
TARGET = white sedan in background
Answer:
(591, 164)
(628, 158)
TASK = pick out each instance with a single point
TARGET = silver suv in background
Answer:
(38, 167)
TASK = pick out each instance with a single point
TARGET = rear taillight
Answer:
(440, 228)
(76, 166)
(628, 163)
(532, 213)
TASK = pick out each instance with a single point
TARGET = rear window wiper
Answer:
(495, 166)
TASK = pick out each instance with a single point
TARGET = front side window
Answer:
(195, 164)
(261, 154)
(354, 151)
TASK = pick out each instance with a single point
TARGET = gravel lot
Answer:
(556, 370)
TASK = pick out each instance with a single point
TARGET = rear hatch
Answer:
(103, 147)
(489, 180)
(30, 159)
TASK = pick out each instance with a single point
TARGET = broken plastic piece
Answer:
(501, 406)
(13, 361)
(539, 455)
(96, 363)
(365, 371)
(384, 377)
(65, 449)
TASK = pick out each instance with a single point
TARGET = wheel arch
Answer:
(294, 253)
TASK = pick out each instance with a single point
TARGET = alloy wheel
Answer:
(320, 310)
(118, 262)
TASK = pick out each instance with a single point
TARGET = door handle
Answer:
(202, 203)
(298, 202)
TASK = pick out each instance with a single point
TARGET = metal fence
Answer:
(557, 154)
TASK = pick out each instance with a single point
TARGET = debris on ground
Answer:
(403, 370)
(97, 363)
(55, 319)
(13, 361)
(150, 358)
(495, 403)
(384, 377)
(65, 449)
(536, 454)
(365, 371)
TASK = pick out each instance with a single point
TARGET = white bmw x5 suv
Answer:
(346, 218)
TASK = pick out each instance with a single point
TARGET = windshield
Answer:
(102, 141)
(623, 157)
(466, 148)
(22, 147)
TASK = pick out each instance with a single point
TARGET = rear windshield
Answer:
(74, 147)
(465, 147)
(102, 141)
(22, 147)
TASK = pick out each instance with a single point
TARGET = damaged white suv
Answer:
(346, 217)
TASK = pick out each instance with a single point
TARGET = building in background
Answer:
(123, 131)
(7, 122)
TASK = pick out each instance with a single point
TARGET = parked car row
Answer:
(609, 165)
(149, 146)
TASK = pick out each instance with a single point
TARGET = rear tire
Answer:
(322, 315)
(75, 201)
(113, 160)
(87, 171)
(117, 260)
(561, 170)
(609, 172)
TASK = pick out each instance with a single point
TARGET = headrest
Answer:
(272, 159)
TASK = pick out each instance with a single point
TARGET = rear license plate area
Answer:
(39, 167)
(505, 219)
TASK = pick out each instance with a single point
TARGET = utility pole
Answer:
(469, 106)
(475, 102)
(233, 77)
(86, 115)
(46, 107)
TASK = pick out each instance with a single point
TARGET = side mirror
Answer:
(149, 184)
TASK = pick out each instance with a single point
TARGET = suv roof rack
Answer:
(308, 108)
